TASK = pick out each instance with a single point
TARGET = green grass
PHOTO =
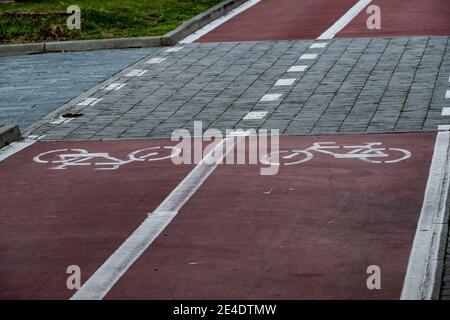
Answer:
(100, 19)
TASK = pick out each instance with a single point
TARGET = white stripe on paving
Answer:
(285, 82)
(444, 127)
(211, 26)
(155, 60)
(271, 97)
(135, 73)
(447, 94)
(14, 147)
(308, 56)
(421, 275)
(446, 111)
(99, 284)
(297, 68)
(344, 20)
(174, 49)
(319, 45)
(255, 115)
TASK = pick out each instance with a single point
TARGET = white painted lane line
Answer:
(447, 94)
(446, 111)
(61, 120)
(211, 26)
(344, 20)
(155, 60)
(285, 82)
(14, 147)
(297, 68)
(421, 274)
(99, 284)
(308, 56)
(174, 49)
(318, 45)
(114, 86)
(136, 73)
(89, 102)
(255, 115)
(271, 97)
(444, 127)
(36, 137)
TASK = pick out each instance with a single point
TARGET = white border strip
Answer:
(14, 147)
(212, 25)
(344, 20)
(99, 284)
(421, 275)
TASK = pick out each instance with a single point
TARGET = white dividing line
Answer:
(14, 147)
(344, 20)
(255, 115)
(271, 97)
(446, 111)
(36, 137)
(447, 94)
(420, 279)
(174, 49)
(297, 68)
(61, 120)
(114, 86)
(285, 82)
(308, 56)
(155, 60)
(99, 284)
(319, 45)
(90, 102)
(211, 26)
(444, 127)
(136, 73)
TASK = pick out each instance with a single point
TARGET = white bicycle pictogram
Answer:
(64, 158)
(370, 152)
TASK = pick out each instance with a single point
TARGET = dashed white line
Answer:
(174, 49)
(308, 56)
(344, 20)
(285, 82)
(90, 102)
(114, 86)
(255, 115)
(99, 284)
(271, 97)
(444, 127)
(211, 26)
(155, 60)
(297, 68)
(446, 111)
(319, 45)
(136, 73)
(447, 94)
(61, 120)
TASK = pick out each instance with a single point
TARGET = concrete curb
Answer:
(9, 134)
(169, 39)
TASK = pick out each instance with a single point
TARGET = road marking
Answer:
(308, 56)
(14, 147)
(114, 86)
(285, 82)
(344, 20)
(36, 137)
(319, 45)
(155, 60)
(445, 127)
(174, 49)
(421, 275)
(101, 282)
(89, 102)
(297, 68)
(255, 115)
(211, 26)
(447, 94)
(135, 73)
(446, 111)
(271, 97)
(61, 120)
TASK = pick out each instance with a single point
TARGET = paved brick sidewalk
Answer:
(34, 85)
(353, 86)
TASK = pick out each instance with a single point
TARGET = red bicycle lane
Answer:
(403, 18)
(77, 215)
(309, 232)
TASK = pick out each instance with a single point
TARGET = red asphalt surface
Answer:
(308, 19)
(309, 232)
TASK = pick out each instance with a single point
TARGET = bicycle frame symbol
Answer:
(369, 152)
(64, 158)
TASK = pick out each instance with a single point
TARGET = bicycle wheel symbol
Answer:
(154, 153)
(393, 155)
(286, 157)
